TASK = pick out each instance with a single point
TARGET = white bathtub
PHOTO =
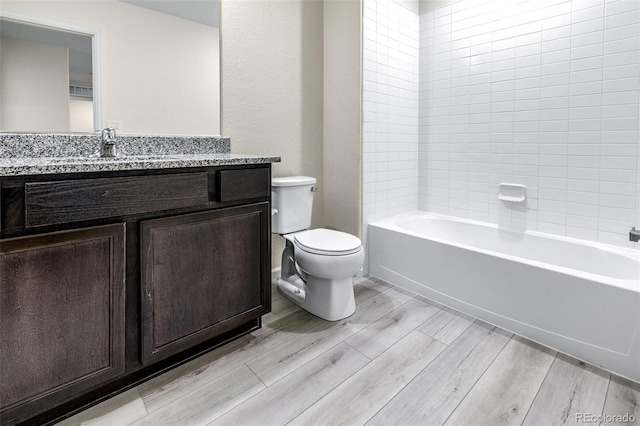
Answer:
(577, 297)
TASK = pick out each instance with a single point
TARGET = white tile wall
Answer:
(390, 110)
(543, 93)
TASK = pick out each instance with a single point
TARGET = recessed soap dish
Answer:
(512, 192)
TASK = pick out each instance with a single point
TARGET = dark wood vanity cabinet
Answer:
(109, 279)
(61, 314)
(201, 274)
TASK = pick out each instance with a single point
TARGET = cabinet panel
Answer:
(244, 184)
(50, 203)
(202, 274)
(61, 315)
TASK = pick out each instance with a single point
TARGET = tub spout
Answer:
(634, 235)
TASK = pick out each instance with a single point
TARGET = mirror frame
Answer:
(96, 54)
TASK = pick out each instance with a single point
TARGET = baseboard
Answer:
(275, 273)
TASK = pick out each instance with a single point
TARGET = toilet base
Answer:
(329, 299)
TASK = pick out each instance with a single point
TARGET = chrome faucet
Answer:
(108, 148)
(634, 235)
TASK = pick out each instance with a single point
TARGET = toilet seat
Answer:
(327, 242)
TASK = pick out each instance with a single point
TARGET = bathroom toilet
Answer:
(317, 264)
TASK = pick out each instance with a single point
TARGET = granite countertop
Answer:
(38, 154)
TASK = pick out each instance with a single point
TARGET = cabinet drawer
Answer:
(243, 184)
(50, 203)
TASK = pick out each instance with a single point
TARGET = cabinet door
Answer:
(202, 274)
(61, 315)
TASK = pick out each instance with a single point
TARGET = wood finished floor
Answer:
(399, 360)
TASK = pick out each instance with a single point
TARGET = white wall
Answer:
(33, 96)
(272, 87)
(160, 73)
(390, 110)
(540, 93)
(80, 115)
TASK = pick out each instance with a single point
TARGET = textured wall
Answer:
(342, 186)
(272, 87)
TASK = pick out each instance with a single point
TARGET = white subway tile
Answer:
(582, 197)
(622, 19)
(587, 26)
(618, 188)
(620, 149)
(556, 33)
(585, 112)
(620, 163)
(556, 21)
(554, 102)
(583, 185)
(585, 100)
(624, 32)
(621, 85)
(588, 88)
(623, 71)
(582, 15)
(616, 175)
(626, 123)
(624, 58)
(554, 91)
(557, 44)
(555, 68)
(618, 201)
(588, 210)
(625, 45)
(620, 136)
(587, 64)
(619, 98)
(587, 51)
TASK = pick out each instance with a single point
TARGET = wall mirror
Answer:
(142, 66)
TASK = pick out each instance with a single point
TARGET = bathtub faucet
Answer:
(634, 235)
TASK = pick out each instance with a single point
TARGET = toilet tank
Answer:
(292, 197)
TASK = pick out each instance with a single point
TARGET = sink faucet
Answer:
(108, 148)
(634, 235)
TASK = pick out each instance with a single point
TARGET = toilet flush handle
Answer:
(314, 189)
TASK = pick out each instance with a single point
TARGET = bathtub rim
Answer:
(632, 254)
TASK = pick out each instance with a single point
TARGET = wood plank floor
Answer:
(399, 360)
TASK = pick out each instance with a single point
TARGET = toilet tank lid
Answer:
(293, 181)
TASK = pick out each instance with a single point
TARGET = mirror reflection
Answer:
(157, 73)
(47, 79)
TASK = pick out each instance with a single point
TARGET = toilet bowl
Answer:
(317, 273)
(317, 264)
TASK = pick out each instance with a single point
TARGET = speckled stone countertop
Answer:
(36, 154)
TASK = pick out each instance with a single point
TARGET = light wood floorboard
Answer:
(623, 399)
(446, 325)
(206, 403)
(287, 398)
(433, 395)
(363, 394)
(571, 387)
(121, 409)
(389, 329)
(506, 390)
(399, 360)
(282, 360)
